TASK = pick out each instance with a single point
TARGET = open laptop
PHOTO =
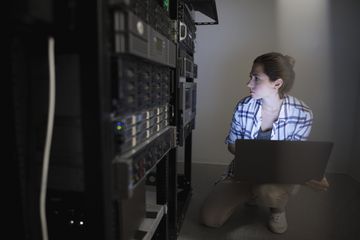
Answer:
(287, 162)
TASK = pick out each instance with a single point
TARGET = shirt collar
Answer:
(282, 114)
(283, 110)
(257, 115)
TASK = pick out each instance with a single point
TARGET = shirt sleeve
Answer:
(235, 131)
(303, 129)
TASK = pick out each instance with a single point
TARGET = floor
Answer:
(312, 215)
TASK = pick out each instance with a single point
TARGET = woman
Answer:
(268, 114)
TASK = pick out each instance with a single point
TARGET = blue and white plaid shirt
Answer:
(293, 124)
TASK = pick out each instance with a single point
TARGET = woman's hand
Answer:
(322, 185)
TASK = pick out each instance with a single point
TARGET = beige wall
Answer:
(345, 37)
(224, 54)
(304, 29)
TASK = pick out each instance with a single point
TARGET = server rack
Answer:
(89, 197)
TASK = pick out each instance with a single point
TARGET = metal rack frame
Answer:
(91, 43)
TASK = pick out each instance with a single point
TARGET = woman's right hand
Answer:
(322, 185)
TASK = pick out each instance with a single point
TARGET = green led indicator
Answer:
(118, 127)
(166, 4)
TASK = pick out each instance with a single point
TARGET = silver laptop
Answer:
(286, 162)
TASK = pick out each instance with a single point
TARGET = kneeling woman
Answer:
(268, 114)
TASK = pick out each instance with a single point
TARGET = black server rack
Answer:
(125, 99)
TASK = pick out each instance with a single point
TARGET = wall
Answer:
(345, 38)
(354, 165)
(224, 54)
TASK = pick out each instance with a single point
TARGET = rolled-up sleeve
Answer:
(235, 131)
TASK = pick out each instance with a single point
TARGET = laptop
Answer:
(283, 162)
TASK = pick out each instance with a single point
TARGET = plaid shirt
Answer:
(293, 124)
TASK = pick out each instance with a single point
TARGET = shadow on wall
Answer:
(345, 38)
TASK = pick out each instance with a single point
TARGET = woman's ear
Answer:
(278, 83)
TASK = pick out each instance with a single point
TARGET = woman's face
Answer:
(260, 85)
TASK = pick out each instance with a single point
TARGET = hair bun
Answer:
(290, 60)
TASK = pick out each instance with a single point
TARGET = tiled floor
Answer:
(331, 215)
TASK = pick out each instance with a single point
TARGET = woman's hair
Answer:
(276, 66)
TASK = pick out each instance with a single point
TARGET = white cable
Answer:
(50, 126)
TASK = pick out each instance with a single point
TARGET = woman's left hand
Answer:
(322, 185)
